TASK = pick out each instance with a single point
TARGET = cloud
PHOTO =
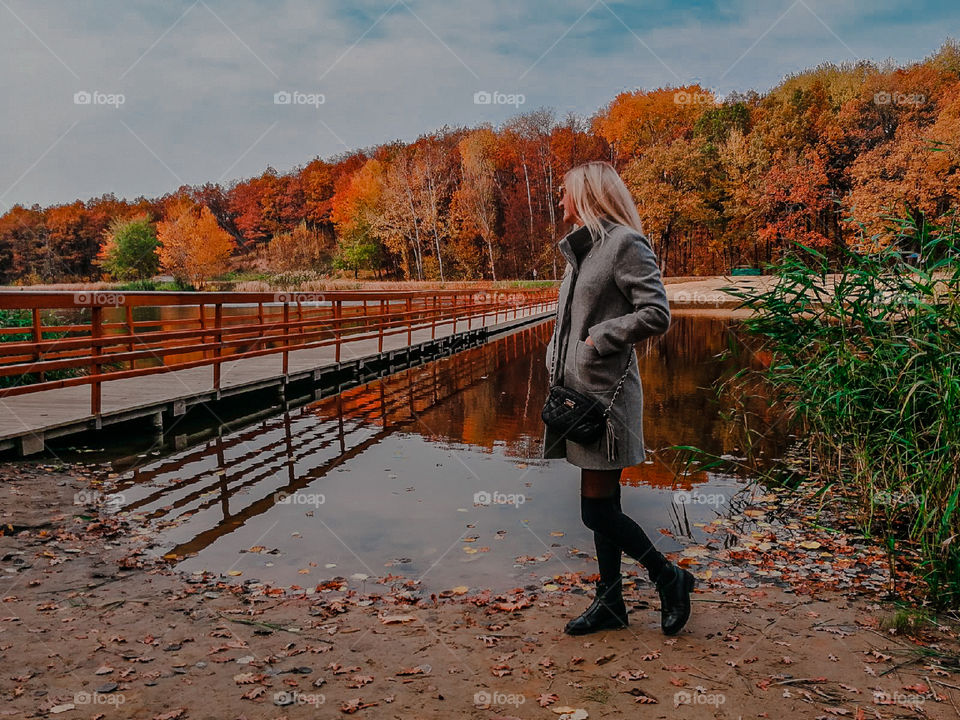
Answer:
(199, 77)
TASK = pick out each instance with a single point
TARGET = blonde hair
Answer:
(599, 192)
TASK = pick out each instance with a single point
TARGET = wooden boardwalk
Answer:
(27, 420)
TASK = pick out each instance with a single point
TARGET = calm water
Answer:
(433, 473)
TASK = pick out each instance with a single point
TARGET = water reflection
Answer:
(435, 469)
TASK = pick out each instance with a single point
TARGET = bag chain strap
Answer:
(616, 392)
(553, 353)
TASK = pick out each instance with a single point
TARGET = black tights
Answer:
(613, 531)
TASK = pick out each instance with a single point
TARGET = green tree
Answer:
(355, 254)
(128, 251)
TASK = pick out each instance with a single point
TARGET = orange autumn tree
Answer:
(635, 121)
(193, 246)
(299, 249)
(917, 172)
(478, 194)
(353, 210)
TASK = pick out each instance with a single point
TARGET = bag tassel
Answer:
(611, 437)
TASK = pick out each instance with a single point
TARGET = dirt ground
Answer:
(782, 627)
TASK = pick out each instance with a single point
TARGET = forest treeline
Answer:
(719, 182)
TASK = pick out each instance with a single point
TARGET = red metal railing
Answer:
(111, 344)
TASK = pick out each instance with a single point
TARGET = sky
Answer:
(133, 97)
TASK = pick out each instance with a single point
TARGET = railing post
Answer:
(383, 319)
(37, 337)
(260, 322)
(129, 314)
(96, 331)
(337, 315)
(300, 328)
(286, 337)
(433, 319)
(218, 345)
(203, 326)
(409, 321)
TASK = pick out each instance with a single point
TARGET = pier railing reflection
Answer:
(211, 490)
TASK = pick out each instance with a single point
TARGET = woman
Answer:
(617, 300)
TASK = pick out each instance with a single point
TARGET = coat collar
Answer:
(578, 242)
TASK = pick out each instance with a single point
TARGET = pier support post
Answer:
(31, 443)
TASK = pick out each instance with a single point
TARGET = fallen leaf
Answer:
(569, 713)
(642, 697)
(253, 693)
(629, 675)
(545, 700)
(248, 678)
(351, 706)
(396, 619)
(358, 681)
(172, 715)
(418, 670)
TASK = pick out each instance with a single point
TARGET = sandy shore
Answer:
(787, 624)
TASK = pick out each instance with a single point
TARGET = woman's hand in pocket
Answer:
(589, 340)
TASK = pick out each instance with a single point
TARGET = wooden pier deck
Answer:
(28, 420)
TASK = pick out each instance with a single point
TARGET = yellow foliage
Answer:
(299, 249)
(193, 248)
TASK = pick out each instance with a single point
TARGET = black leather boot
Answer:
(607, 611)
(674, 586)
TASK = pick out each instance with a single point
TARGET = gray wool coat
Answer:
(618, 299)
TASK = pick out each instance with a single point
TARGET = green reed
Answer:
(868, 373)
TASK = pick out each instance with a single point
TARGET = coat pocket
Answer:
(596, 372)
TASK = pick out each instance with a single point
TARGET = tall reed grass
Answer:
(866, 363)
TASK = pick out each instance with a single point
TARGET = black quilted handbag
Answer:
(573, 415)
(579, 417)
